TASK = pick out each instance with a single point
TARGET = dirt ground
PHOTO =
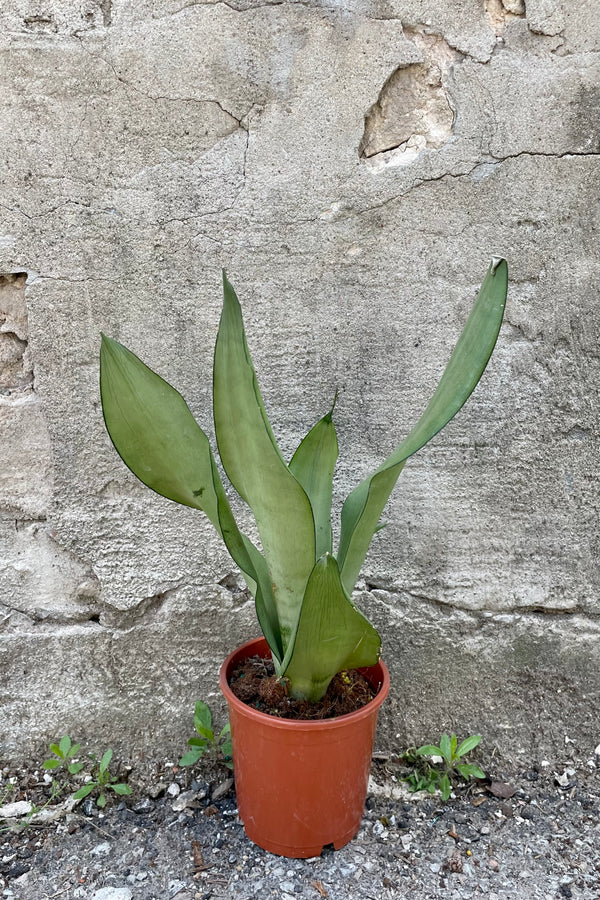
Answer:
(178, 837)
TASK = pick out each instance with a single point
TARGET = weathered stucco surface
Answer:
(354, 166)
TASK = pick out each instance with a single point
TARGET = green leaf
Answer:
(313, 464)
(225, 731)
(332, 634)
(453, 743)
(105, 761)
(469, 771)
(191, 757)
(54, 748)
(101, 801)
(74, 768)
(74, 750)
(429, 750)
(227, 749)
(51, 764)
(205, 733)
(363, 507)
(468, 744)
(266, 611)
(85, 790)
(445, 748)
(257, 470)
(159, 440)
(445, 787)
(64, 746)
(154, 431)
(123, 790)
(198, 742)
(203, 719)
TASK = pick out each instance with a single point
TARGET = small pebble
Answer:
(222, 789)
(145, 805)
(157, 790)
(183, 801)
(100, 849)
(113, 893)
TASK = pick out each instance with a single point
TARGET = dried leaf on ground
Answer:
(197, 855)
(320, 887)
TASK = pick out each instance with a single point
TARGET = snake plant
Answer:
(301, 588)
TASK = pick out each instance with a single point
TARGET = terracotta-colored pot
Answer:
(300, 784)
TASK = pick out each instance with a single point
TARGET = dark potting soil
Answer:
(255, 684)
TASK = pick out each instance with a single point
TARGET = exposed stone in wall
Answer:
(40, 582)
(16, 370)
(25, 448)
(413, 112)
(500, 12)
(543, 16)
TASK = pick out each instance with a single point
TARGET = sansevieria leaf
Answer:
(157, 437)
(154, 431)
(313, 464)
(363, 507)
(332, 634)
(257, 470)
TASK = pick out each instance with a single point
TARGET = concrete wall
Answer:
(353, 165)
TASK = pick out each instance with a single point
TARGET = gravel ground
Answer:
(179, 838)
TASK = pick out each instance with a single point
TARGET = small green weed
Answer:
(104, 781)
(428, 777)
(100, 780)
(63, 752)
(206, 742)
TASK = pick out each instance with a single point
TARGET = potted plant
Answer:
(300, 784)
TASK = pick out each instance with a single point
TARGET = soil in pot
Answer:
(254, 682)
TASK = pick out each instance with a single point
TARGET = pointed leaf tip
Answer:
(328, 416)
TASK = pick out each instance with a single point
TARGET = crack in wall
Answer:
(497, 162)
(504, 616)
(143, 613)
(239, 122)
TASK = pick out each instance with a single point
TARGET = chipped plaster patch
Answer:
(545, 17)
(16, 370)
(500, 12)
(413, 111)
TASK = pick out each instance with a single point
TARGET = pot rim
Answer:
(254, 645)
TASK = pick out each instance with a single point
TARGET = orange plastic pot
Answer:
(300, 784)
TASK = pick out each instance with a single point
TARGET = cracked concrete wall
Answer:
(353, 165)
